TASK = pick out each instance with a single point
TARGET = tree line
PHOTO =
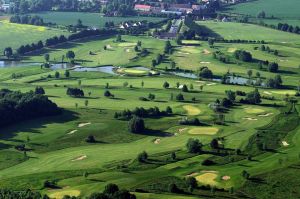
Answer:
(16, 106)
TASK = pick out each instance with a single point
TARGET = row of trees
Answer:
(142, 112)
(27, 19)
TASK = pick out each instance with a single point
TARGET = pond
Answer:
(8, 64)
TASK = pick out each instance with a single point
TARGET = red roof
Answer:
(140, 6)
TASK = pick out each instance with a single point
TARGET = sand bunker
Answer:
(108, 46)
(284, 143)
(206, 52)
(265, 115)
(183, 53)
(191, 110)
(254, 110)
(208, 178)
(126, 44)
(250, 118)
(211, 84)
(83, 124)
(80, 158)
(203, 131)
(72, 132)
(127, 50)
(157, 141)
(231, 50)
(181, 130)
(192, 174)
(205, 62)
(226, 178)
(267, 93)
(61, 193)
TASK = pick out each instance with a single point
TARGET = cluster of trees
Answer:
(267, 49)
(205, 72)
(28, 194)
(168, 47)
(275, 82)
(243, 55)
(75, 92)
(253, 97)
(27, 19)
(25, 6)
(192, 122)
(142, 112)
(158, 60)
(221, 57)
(16, 106)
(288, 28)
(119, 8)
(136, 125)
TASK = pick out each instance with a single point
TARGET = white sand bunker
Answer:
(205, 62)
(83, 124)
(249, 118)
(183, 53)
(127, 50)
(265, 115)
(80, 158)
(206, 52)
(157, 141)
(181, 130)
(211, 84)
(225, 178)
(267, 93)
(284, 143)
(72, 132)
(108, 46)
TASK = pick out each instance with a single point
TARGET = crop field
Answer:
(24, 34)
(89, 19)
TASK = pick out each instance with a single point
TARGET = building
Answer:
(144, 8)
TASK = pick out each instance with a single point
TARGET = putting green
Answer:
(190, 49)
(126, 44)
(283, 92)
(203, 131)
(208, 178)
(231, 50)
(191, 110)
(190, 42)
(60, 194)
(132, 71)
(254, 110)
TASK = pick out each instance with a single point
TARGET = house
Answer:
(144, 8)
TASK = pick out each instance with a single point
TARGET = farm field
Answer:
(89, 19)
(24, 34)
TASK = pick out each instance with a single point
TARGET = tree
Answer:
(173, 188)
(86, 103)
(211, 42)
(90, 139)
(56, 74)
(191, 86)
(111, 189)
(142, 157)
(39, 90)
(153, 63)
(46, 57)
(191, 182)
(173, 156)
(214, 144)
(231, 95)
(184, 88)
(253, 97)
(107, 93)
(172, 65)
(169, 110)
(125, 84)
(70, 55)
(67, 74)
(249, 73)
(194, 145)
(151, 96)
(206, 73)
(261, 14)
(179, 97)
(273, 67)
(136, 125)
(166, 85)
(118, 38)
(277, 81)
(245, 174)
(8, 52)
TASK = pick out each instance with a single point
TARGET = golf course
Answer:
(195, 116)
